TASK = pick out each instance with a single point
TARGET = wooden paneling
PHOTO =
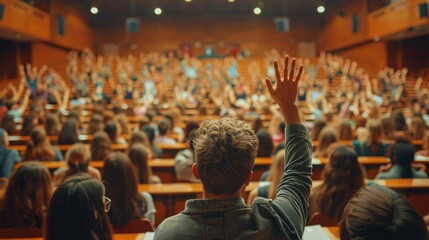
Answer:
(256, 33)
(51, 55)
(337, 31)
(390, 19)
(372, 53)
(78, 32)
(23, 19)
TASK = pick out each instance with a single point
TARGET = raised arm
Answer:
(291, 202)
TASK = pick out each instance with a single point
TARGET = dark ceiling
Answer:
(141, 8)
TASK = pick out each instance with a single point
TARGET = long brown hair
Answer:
(27, 195)
(345, 131)
(39, 147)
(342, 176)
(276, 173)
(101, 146)
(327, 137)
(78, 158)
(139, 156)
(375, 134)
(127, 202)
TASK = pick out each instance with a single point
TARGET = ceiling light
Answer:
(257, 10)
(94, 10)
(157, 11)
(321, 9)
(188, 1)
(231, 1)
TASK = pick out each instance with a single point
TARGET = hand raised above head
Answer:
(285, 90)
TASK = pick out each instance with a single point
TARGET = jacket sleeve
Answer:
(291, 202)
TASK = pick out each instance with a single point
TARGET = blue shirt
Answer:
(8, 158)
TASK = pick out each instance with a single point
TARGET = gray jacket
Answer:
(282, 218)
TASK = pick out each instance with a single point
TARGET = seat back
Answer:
(319, 219)
(29, 232)
(136, 226)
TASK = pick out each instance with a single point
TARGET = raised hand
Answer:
(285, 90)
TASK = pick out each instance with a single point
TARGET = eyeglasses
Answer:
(107, 203)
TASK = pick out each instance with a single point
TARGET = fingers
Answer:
(286, 67)
(298, 76)
(276, 69)
(269, 86)
(292, 70)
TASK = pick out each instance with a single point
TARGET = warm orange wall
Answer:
(51, 55)
(78, 32)
(336, 32)
(372, 54)
(256, 33)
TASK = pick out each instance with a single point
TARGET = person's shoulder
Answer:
(94, 172)
(14, 155)
(172, 225)
(419, 174)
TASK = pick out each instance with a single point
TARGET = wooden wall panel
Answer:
(51, 55)
(337, 31)
(23, 19)
(372, 54)
(78, 32)
(256, 34)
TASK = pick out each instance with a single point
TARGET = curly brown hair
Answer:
(225, 152)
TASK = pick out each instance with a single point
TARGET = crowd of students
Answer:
(220, 153)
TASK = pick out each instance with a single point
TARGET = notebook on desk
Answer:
(315, 232)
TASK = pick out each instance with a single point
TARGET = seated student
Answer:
(342, 176)
(77, 158)
(69, 133)
(225, 152)
(374, 145)
(39, 148)
(265, 143)
(164, 129)
(29, 122)
(27, 197)
(8, 157)
(139, 137)
(8, 124)
(327, 137)
(345, 131)
(96, 123)
(52, 125)
(139, 156)
(184, 160)
(78, 210)
(319, 125)
(114, 133)
(127, 202)
(274, 176)
(376, 212)
(402, 158)
(101, 146)
(150, 133)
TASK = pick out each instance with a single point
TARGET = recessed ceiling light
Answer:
(231, 1)
(94, 10)
(157, 11)
(188, 1)
(321, 9)
(257, 10)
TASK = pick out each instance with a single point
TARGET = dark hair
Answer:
(319, 124)
(164, 126)
(8, 124)
(398, 120)
(27, 195)
(112, 131)
(68, 134)
(52, 125)
(39, 147)
(77, 210)
(402, 153)
(257, 124)
(139, 137)
(190, 126)
(379, 213)
(265, 146)
(96, 123)
(28, 124)
(127, 202)
(345, 131)
(342, 176)
(101, 146)
(139, 156)
(150, 132)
